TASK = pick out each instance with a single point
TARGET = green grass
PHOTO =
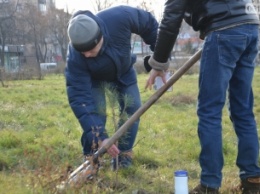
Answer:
(40, 139)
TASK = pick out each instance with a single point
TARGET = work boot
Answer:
(251, 185)
(201, 189)
(124, 160)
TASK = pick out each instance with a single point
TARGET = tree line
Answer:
(24, 24)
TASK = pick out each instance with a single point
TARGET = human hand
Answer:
(113, 151)
(153, 74)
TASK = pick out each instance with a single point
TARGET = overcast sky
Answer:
(87, 5)
(74, 4)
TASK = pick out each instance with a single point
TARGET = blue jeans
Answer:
(227, 67)
(128, 98)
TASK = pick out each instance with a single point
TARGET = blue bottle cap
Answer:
(181, 173)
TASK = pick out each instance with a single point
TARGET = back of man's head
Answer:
(84, 33)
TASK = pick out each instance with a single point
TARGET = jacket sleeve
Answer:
(144, 24)
(78, 84)
(169, 29)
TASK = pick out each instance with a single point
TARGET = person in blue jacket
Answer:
(99, 53)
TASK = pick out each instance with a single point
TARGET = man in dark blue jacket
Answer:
(230, 30)
(99, 54)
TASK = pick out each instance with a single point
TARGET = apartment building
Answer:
(16, 55)
(41, 4)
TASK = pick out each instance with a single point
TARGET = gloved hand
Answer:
(146, 64)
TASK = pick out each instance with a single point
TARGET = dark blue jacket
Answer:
(112, 63)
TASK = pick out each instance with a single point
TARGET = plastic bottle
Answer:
(181, 182)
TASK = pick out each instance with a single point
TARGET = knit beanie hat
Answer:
(84, 33)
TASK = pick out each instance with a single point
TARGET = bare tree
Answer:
(7, 12)
(7, 25)
(57, 22)
(37, 32)
(99, 5)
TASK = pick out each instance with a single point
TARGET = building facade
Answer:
(15, 56)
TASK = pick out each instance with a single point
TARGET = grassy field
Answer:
(40, 139)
